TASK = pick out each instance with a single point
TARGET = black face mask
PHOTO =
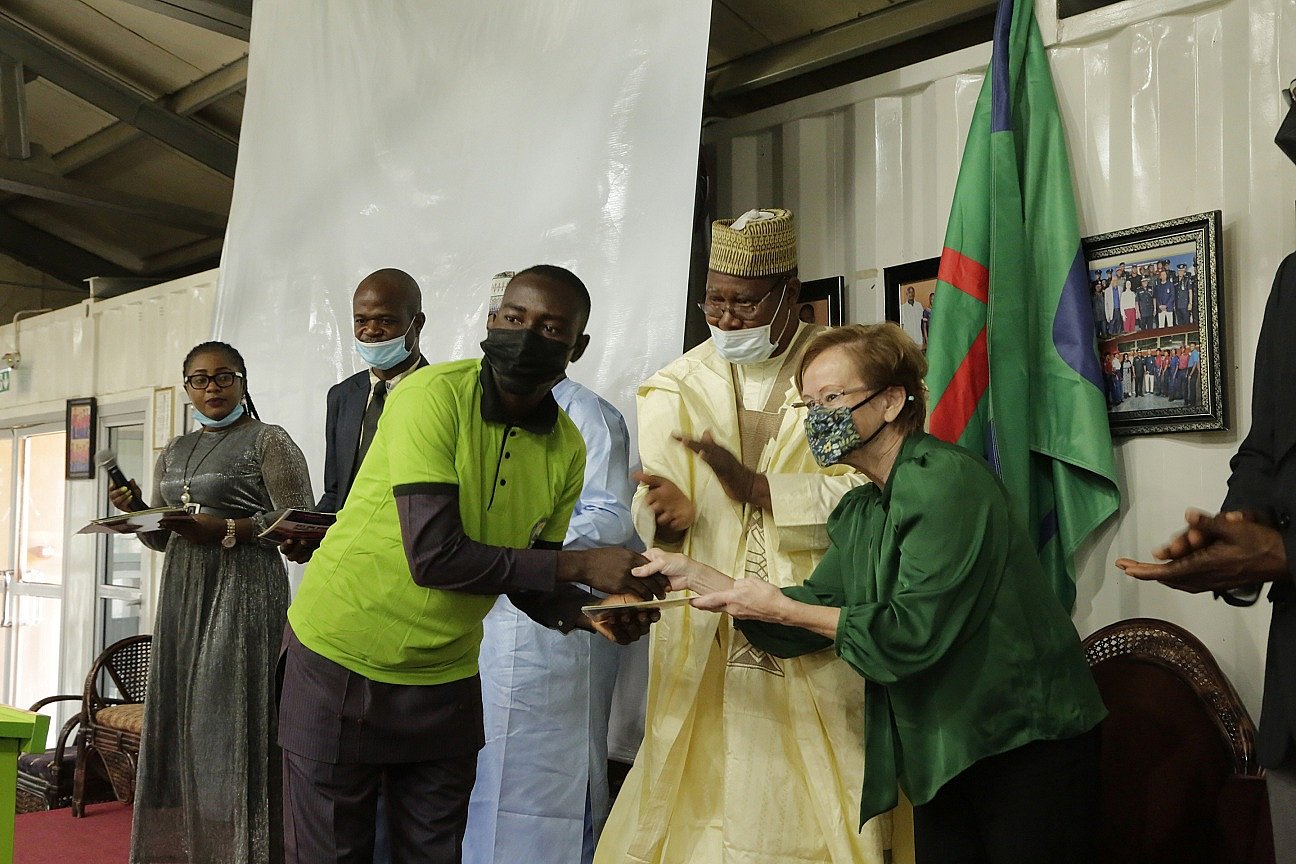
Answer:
(522, 360)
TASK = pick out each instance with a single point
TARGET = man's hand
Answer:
(1216, 553)
(609, 570)
(620, 627)
(738, 481)
(673, 510)
(299, 551)
(748, 599)
(684, 573)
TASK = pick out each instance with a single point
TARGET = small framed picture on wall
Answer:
(909, 292)
(80, 438)
(822, 301)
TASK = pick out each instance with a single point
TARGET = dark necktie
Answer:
(369, 425)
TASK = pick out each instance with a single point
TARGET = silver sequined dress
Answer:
(208, 789)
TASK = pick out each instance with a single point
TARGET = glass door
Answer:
(31, 539)
(117, 594)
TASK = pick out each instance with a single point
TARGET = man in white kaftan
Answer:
(746, 758)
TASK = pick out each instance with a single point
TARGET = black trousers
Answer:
(346, 737)
(1036, 804)
(329, 810)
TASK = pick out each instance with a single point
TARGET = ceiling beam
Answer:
(185, 101)
(23, 179)
(13, 109)
(79, 78)
(184, 257)
(49, 254)
(857, 37)
(231, 17)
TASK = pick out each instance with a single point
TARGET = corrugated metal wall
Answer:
(1170, 109)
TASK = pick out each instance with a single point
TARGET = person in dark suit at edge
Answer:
(386, 312)
(1251, 542)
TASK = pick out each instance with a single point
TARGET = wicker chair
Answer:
(111, 727)
(1180, 779)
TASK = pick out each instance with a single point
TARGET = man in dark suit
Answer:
(386, 313)
(1251, 542)
(386, 307)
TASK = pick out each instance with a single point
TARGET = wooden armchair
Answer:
(45, 778)
(111, 726)
(1180, 779)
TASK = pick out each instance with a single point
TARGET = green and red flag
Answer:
(1014, 372)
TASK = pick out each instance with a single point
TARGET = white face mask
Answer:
(751, 344)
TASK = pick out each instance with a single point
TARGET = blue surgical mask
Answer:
(385, 355)
(203, 420)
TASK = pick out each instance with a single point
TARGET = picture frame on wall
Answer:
(80, 438)
(1154, 294)
(909, 292)
(163, 414)
(823, 301)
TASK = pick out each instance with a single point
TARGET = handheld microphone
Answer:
(107, 460)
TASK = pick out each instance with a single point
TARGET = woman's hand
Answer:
(198, 528)
(684, 573)
(122, 497)
(748, 599)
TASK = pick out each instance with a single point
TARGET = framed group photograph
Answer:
(80, 438)
(822, 301)
(1155, 300)
(909, 292)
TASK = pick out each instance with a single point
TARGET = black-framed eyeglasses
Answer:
(833, 400)
(745, 310)
(222, 379)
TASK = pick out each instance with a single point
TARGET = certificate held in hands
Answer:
(630, 603)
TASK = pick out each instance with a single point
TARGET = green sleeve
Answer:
(823, 588)
(941, 527)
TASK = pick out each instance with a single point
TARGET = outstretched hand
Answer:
(747, 599)
(1216, 553)
(684, 573)
(738, 481)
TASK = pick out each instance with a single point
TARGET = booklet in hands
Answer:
(136, 521)
(294, 524)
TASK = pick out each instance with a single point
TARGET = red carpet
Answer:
(102, 836)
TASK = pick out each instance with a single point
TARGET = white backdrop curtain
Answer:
(455, 140)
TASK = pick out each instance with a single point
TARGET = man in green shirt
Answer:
(465, 494)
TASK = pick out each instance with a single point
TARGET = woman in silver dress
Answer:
(208, 790)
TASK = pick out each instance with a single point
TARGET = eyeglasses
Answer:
(222, 379)
(830, 401)
(745, 310)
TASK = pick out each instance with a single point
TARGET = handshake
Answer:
(628, 577)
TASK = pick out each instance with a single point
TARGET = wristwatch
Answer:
(230, 538)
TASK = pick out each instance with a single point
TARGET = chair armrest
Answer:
(49, 700)
(60, 747)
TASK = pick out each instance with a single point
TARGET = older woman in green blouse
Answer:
(980, 704)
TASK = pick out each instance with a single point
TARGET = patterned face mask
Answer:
(831, 432)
